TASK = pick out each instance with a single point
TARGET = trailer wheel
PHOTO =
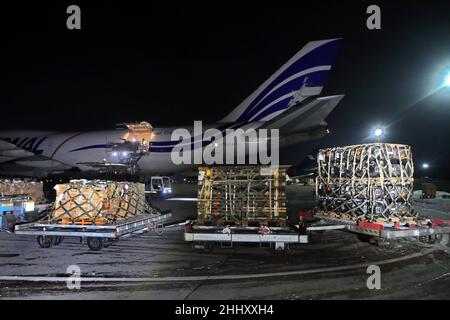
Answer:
(44, 241)
(57, 240)
(427, 239)
(433, 239)
(107, 243)
(159, 229)
(95, 244)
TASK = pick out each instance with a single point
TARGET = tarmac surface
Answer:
(162, 266)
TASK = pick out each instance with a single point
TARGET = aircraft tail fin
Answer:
(304, 75)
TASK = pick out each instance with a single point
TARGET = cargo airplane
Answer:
(289, 101)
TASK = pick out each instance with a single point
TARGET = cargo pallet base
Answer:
(96, 236)
(279, 238)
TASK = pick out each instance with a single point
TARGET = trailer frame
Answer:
(279, 238)
(426, 231)
(49, 234)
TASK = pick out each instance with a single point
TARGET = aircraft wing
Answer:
(9, 151)
(15, 160)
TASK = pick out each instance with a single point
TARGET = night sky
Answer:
(194, 60)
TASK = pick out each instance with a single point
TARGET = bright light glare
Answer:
(425, 165)
(447, 81)
(378, 132)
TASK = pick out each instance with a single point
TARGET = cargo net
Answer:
(245, 196)
(369, 182)
(98, 202)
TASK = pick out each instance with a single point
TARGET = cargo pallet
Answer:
(279, 238)
(366, 182)
(240, 194)
(96, 236)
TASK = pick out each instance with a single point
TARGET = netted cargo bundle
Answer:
(247, 195)
(20, 187)
(368, 182)
(98, 202)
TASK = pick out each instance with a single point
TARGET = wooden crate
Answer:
(98, 202)
(239, 194)
(20, 187)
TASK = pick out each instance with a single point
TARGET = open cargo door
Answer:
(140, 134)
(124, 155)
(136, 143)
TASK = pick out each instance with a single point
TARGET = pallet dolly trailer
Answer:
(383, 235)
(205, 237)
(95, 236)
(428, 231)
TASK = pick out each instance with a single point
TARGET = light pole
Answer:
(425, 167)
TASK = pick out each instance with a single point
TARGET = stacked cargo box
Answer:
(368, 182)
(33, 189)
(98, 202)
(126, 199)
(241, 195)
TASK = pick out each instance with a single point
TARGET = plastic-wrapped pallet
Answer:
(241, 195)
(368, 182)
(98, 202)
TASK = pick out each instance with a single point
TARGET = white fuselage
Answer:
(60, 151)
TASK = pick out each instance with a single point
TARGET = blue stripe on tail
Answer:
(321, 56)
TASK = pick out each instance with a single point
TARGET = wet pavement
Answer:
(152, 266)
